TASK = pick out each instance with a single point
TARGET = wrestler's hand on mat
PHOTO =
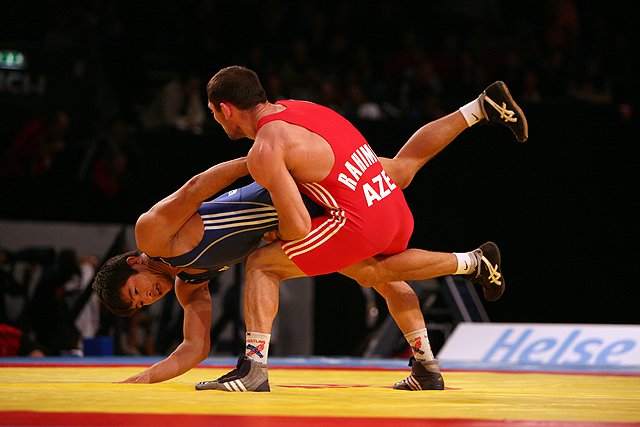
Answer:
(141, 378)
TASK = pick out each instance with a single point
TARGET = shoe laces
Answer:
(241, 370)
(505, 114)
(233, 375)
(494, 275)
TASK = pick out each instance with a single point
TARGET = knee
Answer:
(367, 277)
(402, 171)
(403, 178)
(266, 262)
(257, 261)
(394, 289)
(404, 183)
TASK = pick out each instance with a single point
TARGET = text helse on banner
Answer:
(544, 344)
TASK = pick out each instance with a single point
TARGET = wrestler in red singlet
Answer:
(366, 213)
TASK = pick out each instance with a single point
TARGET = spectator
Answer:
(87, 322)
(14, 342)
(35, 148)
(361, 107)
(50, 312)
(111, 164)
(179, 106)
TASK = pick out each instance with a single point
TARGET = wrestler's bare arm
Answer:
(267, 163)
(157, 228)
(196, 302)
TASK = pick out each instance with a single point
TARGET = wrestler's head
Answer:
(129, 281)
(237, 87)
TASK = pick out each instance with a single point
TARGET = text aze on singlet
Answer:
(366, 213)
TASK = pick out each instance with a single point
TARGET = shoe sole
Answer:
(525, 126)
(232, 386)
(519, 112)
(496, 252)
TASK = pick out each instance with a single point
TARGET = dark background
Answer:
(562, 206)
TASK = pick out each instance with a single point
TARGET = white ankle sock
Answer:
(466, 263)
(257, 347)
(419, 343)
(472, 112)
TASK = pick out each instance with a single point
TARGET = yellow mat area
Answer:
(325, 392)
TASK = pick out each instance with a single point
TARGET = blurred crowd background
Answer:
(103, 77)
(104, 112)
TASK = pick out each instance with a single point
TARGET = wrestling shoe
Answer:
(424, 376)
(499, 107)
(488, 272)
(249, 375)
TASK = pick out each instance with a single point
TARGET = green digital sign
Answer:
(12, 59)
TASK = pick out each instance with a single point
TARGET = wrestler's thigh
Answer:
(272, 259)
(368, 273)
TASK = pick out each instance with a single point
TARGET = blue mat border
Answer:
(323, 362)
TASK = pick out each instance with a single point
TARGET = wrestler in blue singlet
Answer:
(234, 224)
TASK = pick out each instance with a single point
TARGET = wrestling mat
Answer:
(317, 392)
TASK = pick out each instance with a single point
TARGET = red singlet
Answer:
(366, 213)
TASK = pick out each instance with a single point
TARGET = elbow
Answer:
(290, 236)
(204, 351)
(296, 231)
(196, 351)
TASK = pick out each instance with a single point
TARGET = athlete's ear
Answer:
(226, 110)
(133, 260)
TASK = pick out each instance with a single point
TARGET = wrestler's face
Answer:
(231, 128)
(145, 288)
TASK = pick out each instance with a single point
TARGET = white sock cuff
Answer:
(416, 333)
(465, 264)
(472, 112)
(257, 346)
(420, 345)
(258, 336)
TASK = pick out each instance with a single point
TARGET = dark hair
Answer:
(236, 85)
(110, 279)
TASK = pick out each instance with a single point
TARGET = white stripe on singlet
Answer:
(238, 223)
(322, 195)
(319, 235)
(238, 218)
(268, 213)
(324, 231)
